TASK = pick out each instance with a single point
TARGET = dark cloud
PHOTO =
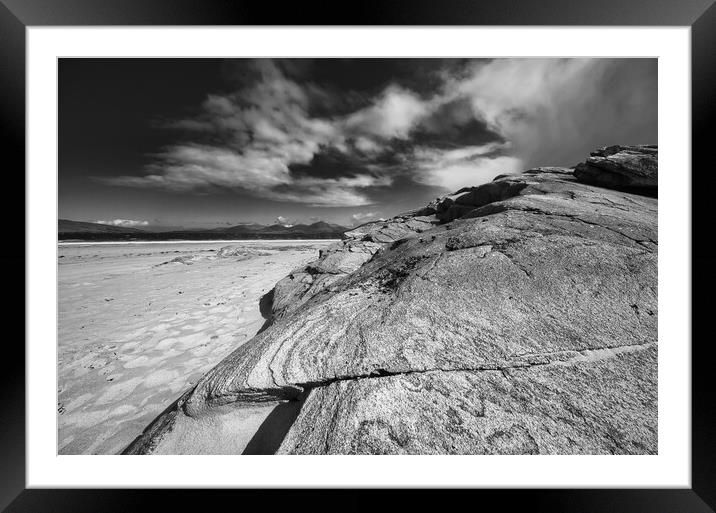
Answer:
(331, 163)
(453, 125)
(370, 76)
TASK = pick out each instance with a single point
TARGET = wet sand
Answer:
(140, 323)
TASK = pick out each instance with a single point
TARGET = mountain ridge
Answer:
(80, 230)
(69, 226)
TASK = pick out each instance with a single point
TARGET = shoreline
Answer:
(188, 241)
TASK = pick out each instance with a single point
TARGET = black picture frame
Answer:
(17, 15)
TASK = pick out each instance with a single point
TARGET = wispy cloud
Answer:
(483, 119)
(549, 108)
(362, 216)
(456, 168)
(285, 221)
(393, 115)
(124, 223)
(261, 131)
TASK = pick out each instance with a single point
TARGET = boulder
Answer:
(622, 167)
(359, 246)
(242, 253)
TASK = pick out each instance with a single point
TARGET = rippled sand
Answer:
(136, 329)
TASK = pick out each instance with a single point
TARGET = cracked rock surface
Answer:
(519, 316)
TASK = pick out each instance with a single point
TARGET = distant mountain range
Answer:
(67, 226)
(78, 230)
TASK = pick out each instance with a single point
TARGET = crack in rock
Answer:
(299, 390)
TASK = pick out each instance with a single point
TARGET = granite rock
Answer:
(519, 316)
(624, 167)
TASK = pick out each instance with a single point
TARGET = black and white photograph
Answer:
(357, 256)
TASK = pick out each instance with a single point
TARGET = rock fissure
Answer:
(299, 390)
(514, 263)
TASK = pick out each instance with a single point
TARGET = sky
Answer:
(205, 143)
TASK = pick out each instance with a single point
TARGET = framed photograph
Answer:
(419, 245)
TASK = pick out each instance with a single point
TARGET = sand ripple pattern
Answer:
(136, 329)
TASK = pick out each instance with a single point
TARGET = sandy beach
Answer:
(140, 323)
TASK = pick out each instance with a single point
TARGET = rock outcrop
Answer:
(341, 259)
(238, 253)
(622, 167)
(519, 316)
